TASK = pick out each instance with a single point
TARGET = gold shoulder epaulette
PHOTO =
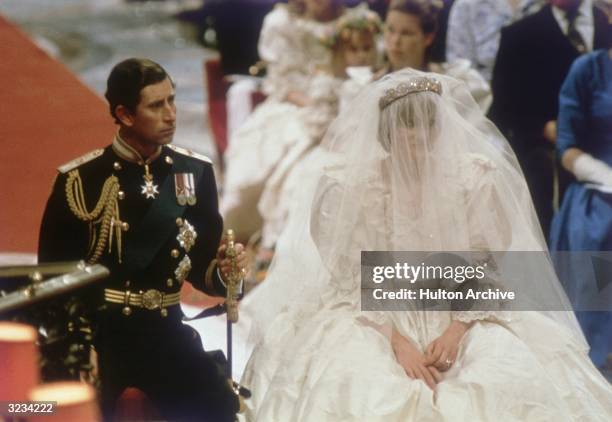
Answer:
(80, 161)
(189, 153)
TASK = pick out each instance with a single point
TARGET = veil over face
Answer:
(411, 165)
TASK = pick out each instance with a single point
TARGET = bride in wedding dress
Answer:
(413, 165)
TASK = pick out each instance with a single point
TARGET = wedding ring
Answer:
(448, 362)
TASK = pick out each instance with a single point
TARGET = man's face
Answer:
(154, 120)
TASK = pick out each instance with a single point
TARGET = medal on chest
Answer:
(185, 188)
(149, 189)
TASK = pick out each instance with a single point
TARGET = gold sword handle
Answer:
(233, 282)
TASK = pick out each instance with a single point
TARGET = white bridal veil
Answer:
(411, 165)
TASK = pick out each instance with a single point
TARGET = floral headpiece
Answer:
(361, 19)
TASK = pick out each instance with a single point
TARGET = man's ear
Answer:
(124, 115)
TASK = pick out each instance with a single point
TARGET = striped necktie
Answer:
(574, 37)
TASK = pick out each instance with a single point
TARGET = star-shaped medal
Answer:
(149, 189)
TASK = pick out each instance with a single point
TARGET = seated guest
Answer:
(534, 57)
(410, 30)
(290, 44)
(474, 28)
(353, 43)
(584, 143)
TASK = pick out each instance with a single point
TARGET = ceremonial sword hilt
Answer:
(234, 277)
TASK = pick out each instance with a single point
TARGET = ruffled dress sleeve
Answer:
(340, 241)
(489, 231)
(292, 50)
(323, 92)
(462, 69)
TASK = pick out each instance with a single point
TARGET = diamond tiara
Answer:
(416, 84)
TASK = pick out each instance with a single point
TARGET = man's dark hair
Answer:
(127, 79)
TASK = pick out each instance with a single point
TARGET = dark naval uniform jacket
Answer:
(155, 224)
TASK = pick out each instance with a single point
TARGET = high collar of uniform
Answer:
(129, 153)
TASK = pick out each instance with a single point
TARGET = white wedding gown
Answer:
(283, 184)
(329, 361)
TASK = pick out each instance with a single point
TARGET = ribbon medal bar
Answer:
(185, 188)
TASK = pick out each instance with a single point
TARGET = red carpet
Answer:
(47, 117)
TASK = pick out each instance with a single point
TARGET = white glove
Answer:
(590, 169)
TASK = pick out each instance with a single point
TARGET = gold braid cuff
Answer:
(105, 213)
(208, 278)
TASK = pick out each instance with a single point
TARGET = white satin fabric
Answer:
(336, 363)
(425, 172)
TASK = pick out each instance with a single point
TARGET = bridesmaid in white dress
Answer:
(290, 43)
(411, 166)
(355, 53)
(409, 30)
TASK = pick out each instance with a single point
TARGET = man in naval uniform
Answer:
(147, 210)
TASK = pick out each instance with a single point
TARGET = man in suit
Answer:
(533, 59)
(147, 210)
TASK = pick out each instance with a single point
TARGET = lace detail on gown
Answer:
(470, 316)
